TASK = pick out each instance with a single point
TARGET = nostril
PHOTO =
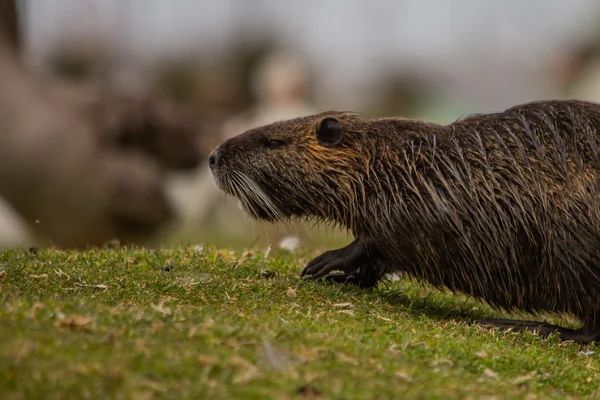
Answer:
(212, 160)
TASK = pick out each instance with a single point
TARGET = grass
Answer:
(196, 323)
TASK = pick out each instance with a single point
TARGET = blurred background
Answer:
(109, 108)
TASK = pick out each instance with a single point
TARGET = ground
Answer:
(199, 322)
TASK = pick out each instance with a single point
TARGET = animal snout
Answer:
(213, 159)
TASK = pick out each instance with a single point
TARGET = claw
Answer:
(351, 260)
(343, 278)
(344, 259)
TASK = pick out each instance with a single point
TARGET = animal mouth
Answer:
(221, 183)
(252, 197)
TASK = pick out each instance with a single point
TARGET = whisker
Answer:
(261, 197)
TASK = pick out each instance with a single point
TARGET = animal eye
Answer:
(274, 143)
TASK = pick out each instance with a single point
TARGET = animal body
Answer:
(504, 207)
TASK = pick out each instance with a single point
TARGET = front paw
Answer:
(354, 261)
(327, 262)
(363, 277)
(352, 278)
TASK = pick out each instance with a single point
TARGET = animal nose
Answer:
(212, 159)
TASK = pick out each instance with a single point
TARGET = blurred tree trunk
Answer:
(9, 23)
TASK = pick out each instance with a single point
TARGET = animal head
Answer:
(310, 167)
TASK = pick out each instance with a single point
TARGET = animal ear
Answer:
(329, 132)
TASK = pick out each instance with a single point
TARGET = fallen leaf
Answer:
(342, 305)
(247, 254)
(40, 276)
(160, 307)
(393, 349)
(591, 368)
(75, 321)
(442, 361)
(347, 359)
(488, 373)
(98, 286)
(60, 272)
(291, 292)
(524, 378)
(248, 371)
(404, 375)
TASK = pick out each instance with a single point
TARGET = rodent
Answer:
(504, 207)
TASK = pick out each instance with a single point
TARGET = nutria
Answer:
(504, 207)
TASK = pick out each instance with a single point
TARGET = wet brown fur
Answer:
(503, 207)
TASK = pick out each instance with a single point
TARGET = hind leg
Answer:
(589, 333)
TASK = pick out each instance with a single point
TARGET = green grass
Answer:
(207, 323)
